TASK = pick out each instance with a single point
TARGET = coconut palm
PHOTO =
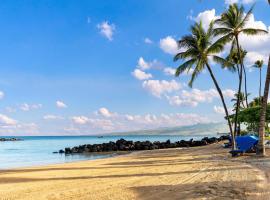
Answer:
(255, 102)
(230, 25)
(261, 146)
(233, 58)
(199, 47)
(242, 98)
(259, 64)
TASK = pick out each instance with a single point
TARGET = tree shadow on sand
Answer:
(203, 190)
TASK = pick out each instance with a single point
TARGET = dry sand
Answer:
(195, 173)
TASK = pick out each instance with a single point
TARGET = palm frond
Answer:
(185, 66)
(222, 61)
(186, 42)
(195, 73)
(246, 18)
(253, 31)
(190, 53)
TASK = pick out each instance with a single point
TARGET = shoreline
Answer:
(87, 150)
(189, 173)
(110, 155)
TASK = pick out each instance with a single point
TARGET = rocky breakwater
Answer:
(124, 145)
(9, 139)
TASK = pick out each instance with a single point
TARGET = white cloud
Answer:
(169, 45)
(228, 2)
(105, 112)
(195, 96)
(257, 46)
(169, 71)
(144, 65)
(228, 93)
(5, 120)
(2, 94)
(158, 88)
(52, 117)
(60, 104)
(148, 41)
(106, 29)
(80, 119)
(103, 124)
(129, 117)
(248, 1)
(15, 128)
(253, 56)
(219, 110)
(179, 101)
(28, 107)
(165, 120)
(141, 75)
(88, 123)
(206, 17)
(128, 122)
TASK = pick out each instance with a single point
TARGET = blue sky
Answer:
(88, 67)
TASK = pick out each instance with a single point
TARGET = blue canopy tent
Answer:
(245, 144)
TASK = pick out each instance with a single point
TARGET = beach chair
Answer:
(245, 144)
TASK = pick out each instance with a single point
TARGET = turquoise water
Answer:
(37, 150)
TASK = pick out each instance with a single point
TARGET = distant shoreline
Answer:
(13, 139)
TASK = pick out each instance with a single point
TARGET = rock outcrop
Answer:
(9, 139)
(124, 145)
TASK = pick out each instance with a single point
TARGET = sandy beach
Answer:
(195, 173)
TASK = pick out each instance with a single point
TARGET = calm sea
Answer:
(37, 150)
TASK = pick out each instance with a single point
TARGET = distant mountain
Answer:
(198, 129)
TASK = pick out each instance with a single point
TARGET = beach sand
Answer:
(194, 173)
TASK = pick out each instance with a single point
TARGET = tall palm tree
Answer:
(230, 25)
(200, 47)
(260, 146)
(233, 58)
(259, 64)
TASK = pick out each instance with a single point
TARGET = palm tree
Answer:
(199, 47)
(255, 102)
(259, 64)
(260, 146)
(242, 98)
(230, 25)
(233, 58)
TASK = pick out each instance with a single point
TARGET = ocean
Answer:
(37, 150)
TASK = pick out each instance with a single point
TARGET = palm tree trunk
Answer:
(260, 146)
(238, 72)
(260, 89)
(239, 87)
(223, 102)
(246, 94)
